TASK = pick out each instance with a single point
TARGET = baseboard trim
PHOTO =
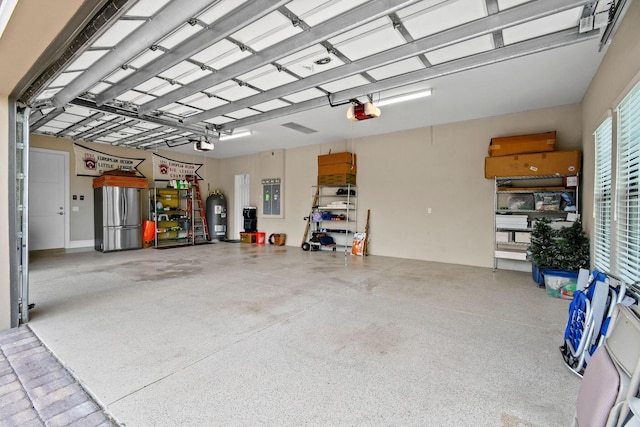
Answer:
(76, 244)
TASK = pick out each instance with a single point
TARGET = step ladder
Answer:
(199, 231)
(314, 204)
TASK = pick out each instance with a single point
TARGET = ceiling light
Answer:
(322, 61)
(402, 98)
(6, 9)
(234, 135)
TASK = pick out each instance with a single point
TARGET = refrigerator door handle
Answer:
(123, 206)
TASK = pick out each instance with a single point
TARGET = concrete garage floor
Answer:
(237, 334)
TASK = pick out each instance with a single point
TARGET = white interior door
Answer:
(241, 199)
(47, 188)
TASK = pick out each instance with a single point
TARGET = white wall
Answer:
(618, 72)
(401, 175)
(81, 221)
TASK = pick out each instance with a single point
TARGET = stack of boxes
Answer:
(529, 155)
(250, 215)
(337, 169)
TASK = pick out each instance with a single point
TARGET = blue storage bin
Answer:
(537, 275)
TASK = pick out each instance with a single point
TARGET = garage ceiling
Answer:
(159, 74)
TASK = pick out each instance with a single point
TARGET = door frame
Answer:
(67, 210)
(241, 198)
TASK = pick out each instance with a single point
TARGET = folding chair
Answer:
(612, 379)
(589, 314)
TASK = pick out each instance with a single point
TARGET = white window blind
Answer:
(602, 198)
(627, 190)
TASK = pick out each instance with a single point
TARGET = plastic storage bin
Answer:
(547, 201)
(520, 202)
(537, 275)
(560, 284)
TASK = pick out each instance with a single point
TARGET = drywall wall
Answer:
(441, 169)
(402, 175)
(618, 72)
(33, 25)
(81, 221)
(5, 275)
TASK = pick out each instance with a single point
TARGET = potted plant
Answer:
(559, 254)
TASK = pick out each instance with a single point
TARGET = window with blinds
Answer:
(627, 191)
(602, 198)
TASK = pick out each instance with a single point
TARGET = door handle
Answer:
(60, 213)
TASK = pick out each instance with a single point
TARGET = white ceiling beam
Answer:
(86, 26)
(97, 129)
(160, 140)
(491, 24)
(145, 134)
(517, 50)
(197, 129)
(124, 125)
(344, 22)
(176, 13)
(81, 123)
(216, 32)
(38, 118)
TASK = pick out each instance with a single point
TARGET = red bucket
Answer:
(260, 238)
(148, 231)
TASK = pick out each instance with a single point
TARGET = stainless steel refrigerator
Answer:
(117, 220)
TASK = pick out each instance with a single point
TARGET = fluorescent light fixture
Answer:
(234, 135)
(6, 9)
(402, 98)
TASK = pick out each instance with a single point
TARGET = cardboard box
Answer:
(537, 164)
(522, 144)
(340, 179)
(120, 181)
(522, 237)
(332, 159)
(503, 236)
(518, 255)
(337, 169)
(248, 237)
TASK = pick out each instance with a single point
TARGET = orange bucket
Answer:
(148, 231)
(260, 238)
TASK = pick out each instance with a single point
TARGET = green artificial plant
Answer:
(543, 247)
(573, 248)
(565, 249)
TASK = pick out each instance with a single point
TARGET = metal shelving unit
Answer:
(511, 231)
(173, 220)
(335, 215)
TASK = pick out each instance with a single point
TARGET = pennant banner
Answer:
(94, 163)
(165, 169)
